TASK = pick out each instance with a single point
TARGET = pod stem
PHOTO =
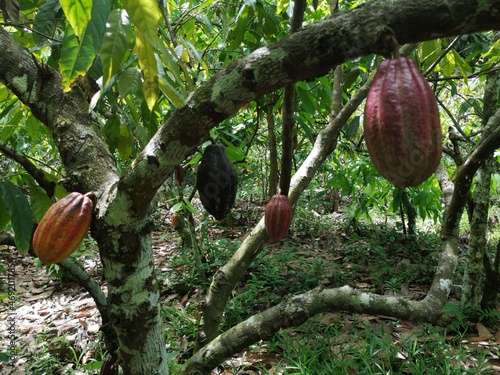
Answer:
(395, 47)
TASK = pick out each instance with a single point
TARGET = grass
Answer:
(341, 344)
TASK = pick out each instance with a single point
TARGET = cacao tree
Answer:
(119, 96)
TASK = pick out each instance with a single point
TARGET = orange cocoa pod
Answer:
(63, 228)
(278, 216)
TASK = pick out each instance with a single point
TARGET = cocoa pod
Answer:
(179, 175)
(278, 216)
(63, 228)
(175, 220)
(401, 124)
(216, 181)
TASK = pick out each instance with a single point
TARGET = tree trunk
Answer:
(473, 280)
(474, 274)
(133, 297)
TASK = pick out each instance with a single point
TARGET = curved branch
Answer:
(88, 163)
(304, 55)
(296, 311)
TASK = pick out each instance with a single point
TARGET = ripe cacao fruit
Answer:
(63, 228)
(217, 181)
(401, 124)
(278, 216)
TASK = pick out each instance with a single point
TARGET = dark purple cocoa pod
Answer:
(179, 175)
(217, 181)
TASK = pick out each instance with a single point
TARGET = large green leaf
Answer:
(130, 81)
(115, 43)
(46, 20)
(77, 57)
(148, 64)
(78, 13)
(175, 97)
(39, 201)
(145, 16)
(20, 214)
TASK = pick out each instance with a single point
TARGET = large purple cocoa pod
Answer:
(401, 124)
(216, 181)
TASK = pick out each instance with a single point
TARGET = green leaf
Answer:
(190, 207)
(352, 127)
(234, 153)
(176, 207)
(462, 64)
(115, 43)
(305, 101)
(239, 30)
(429, 51)
(77, 58)
(175, 97)
(112, 131)
(148, 64)
(448, 64)
(46, 20)
(4, 215)
(39, 201)
(145, 16)
(125, 142)
(129, 82)
(171, 66)
(20, 215)
(78, 13)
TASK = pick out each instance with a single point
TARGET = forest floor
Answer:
(56, 324)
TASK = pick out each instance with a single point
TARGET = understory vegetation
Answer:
(327, 250)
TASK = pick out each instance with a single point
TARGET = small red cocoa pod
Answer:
(278, 216)
(63, 228)
(401, 124)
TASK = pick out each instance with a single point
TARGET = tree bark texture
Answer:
(121, 223)
(474, 273)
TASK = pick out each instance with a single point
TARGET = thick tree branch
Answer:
(83, 149)
(304, 55)
(295, 312)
